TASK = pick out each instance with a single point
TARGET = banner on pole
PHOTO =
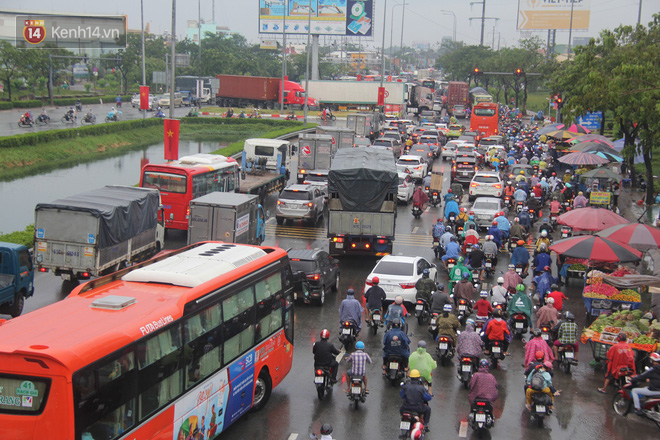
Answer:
(144, 97)
(171, 129)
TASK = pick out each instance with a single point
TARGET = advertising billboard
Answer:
(553, 14)
(328, 17)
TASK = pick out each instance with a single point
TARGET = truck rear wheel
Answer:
(17, 308)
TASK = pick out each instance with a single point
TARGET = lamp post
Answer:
(144, 75)
(309, 31)
(382, 47)
(392, 30)
(570, 32)
(445, 12)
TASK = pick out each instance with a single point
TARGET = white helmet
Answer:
(500, 280)
(544, 233)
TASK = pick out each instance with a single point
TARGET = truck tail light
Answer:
(338, 239)
(353, 245)
(43, 269)
(382, 241)
(313, 277)
(367, 246)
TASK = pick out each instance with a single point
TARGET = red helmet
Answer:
(471, 212)
(462, 209)
(449, 190)
(325, 333)
(494, 222)
(538, 185)
(375, 280)
(539, 355)
(554, 174)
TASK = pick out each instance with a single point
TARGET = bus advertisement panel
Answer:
(185, 179)
(185, 343)
(485, 119)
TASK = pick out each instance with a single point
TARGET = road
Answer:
(294, 409)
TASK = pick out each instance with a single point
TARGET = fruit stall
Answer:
(601, 296)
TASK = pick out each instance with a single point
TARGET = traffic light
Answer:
(477, 71)
(518, 73)
(559, 100)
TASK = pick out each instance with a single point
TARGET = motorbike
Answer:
(159, 114)
(78, 106)
(566, 358)
(445, 349)
(192, 114)
(322, 381)
(488, 266)
(507, 201)
(451, 262)
(520, 269)
(519, 206)
(625, 374)
(533, 215)
(546, 334)
(409, 421)
(113, 117)
(25, 122)
(496, 353)
(567, 205)
(329, 117)
(436, 247)
(88, 119)
(481, 416)
(422, 311)
(435, 198)
(541, 404)
(464, 310)
(466, 368)
(42, 119)
(416, 210)
(623, 404)
(520, 324)
(291, 117)
(475, 280)
(68, 118)
(375, 320)
(451, 220)
(357, 392)
(433, 328)
(553, 219)
(565, 232)
(395, 369)
(348, 334)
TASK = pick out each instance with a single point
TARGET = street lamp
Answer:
(392, 30)
(445, 12)
(382, 47)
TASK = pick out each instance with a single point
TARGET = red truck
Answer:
(243, 91)
(457, 94)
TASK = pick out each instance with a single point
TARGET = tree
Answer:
(11, 63)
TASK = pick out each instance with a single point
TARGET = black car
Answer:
(464, 169)
(321, 270)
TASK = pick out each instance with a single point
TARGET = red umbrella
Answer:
(595, 248)
(637, 235)
(578, 129)
(581, 158)
(590, 219)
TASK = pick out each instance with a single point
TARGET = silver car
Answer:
(485, 210)
(300, 202)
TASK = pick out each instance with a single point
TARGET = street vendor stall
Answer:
(601, 297)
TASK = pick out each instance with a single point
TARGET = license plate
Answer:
(520, 325)
(514, 245)
(545, 337)
(564, 235)
(434, 327)
(295, 296)
(66, 277)
(480, 417)
(404, 426)
(436, 244)
(356, 390)
(462, 308)
(339, 245)
(450, 266)
(293, 205)
(518, 270)
(419, 307)
(318, 379)
(497, 349)
(394, 365)
(346, 331)
(569, 355)
(376, 318)
(466, 368)
(489, 264)
(443, 346)
(540, 408)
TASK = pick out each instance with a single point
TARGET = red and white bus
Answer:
(485, 119)
(185, 179)
(180, 344)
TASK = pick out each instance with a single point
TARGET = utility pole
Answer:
(199, 46)
(570, 32)
(382, 48)
(483, 18)
(144, 73)
(309, 31)
(283, 59)
(639, 13)
(172, 59)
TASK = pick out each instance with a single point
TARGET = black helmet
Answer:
(396, 323)
(569, 316)
(326, 429)
(537, 332)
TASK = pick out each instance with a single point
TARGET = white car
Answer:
(485, 183)
(416, 166)
(153, 101)
(406, 187)
(449, 149)
(398, 275)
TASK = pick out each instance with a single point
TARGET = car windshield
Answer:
(316, 178)
(485, 206)
(303, 265)
(294, 195)
(429, 139)
(394, 268)
(455, 127)
(486, 179)
(407, 161)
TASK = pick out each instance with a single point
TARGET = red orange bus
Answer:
(185, 179)
(180, 344)
(485, 119)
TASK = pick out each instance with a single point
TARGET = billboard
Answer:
(553, 14)
(328, 17)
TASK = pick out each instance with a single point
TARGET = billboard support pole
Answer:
(309, 32)
(315, 57)
(173, 59)
(283, 59)
(570, 32)
(382, 51)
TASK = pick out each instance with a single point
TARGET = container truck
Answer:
(364, 124)
(420, 99)
(362, 195)
(258, 91)
(356, 95)
(457, 94)
(228, 217)
(315, 153)
(16, 278)
(97, 232)
(265, 165)
(341, 136)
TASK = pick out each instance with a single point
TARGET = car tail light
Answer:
(310, 204)
(476, 168)
(313, 276)
(368, 282)
(338, 239)
(498, 185)
(279, 202)
(301, 171)
(474, 184)
(407, 285)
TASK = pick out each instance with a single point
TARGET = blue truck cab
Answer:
(16, 278)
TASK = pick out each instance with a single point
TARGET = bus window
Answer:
(484, 111)
(238, 333)
(202, 339)
(159, 375)
(12, 401)
(167, 182)
(269, 312)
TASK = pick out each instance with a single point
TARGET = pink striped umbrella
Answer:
(638, 235)
(581, 158)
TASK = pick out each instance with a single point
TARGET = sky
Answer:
(423, 20)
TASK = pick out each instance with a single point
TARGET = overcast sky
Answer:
(424, 20)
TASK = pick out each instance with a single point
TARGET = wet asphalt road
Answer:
(294, 409)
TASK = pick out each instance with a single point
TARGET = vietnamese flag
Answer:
(144, 97)
(381, 96)
(171, 139)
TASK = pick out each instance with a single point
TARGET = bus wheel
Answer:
(262, 390)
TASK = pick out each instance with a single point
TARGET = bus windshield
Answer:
(167, 182)
(484, 111)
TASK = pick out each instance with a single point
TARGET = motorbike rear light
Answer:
(545, 329)
(419, 301)
(43, 269)
(461, 301)
(407, 285)
(319, 372)
(338, 239)
(481, 403)
(347, 324)
(518, 317)
(443, 339)
(466, 360)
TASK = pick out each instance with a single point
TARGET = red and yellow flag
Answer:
(171, 128)
(144, 97)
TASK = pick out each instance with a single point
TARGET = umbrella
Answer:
(601, 173)
(561, 134)
(638, 235)
(582, 158)
(592, 137)
(608, 156)
(548, 128)
(590, 219)
(593, 146)
(595, 248)
(575, 128)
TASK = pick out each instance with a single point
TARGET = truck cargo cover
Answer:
(363, 176)
(124, 211)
